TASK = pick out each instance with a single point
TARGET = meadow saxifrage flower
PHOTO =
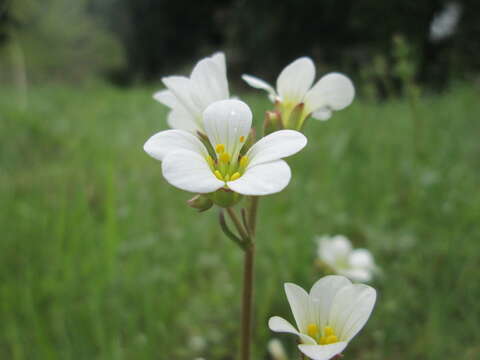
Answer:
(295, 93)
(188, 165)
(188, 97)
(338, 255)
(328, 317)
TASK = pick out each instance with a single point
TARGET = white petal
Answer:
(166, 98)
(299, 304)
(362, 258)
(164, 142)
(189, 171)
(182, 120)
(295, 80)
(279, 324)
(333, 90)
(334, 250)
(357, 274)
(351, 309)
(340, 246)
(322, 114)
(260, 84)
(323, 352)
(227, 121)
(219, 59)
(264, 179)
(324, 292)
(209, 83)
(276, 146)
(181, 87)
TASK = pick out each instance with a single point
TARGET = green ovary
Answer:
(225, 167)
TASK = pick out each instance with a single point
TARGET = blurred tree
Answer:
(5, 20)
(159, 35)
(59, 40)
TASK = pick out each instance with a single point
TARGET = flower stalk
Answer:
(245, 239)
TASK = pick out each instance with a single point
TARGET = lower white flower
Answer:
(188, 165)
(334, 91)
(328, 317)
(337, 253)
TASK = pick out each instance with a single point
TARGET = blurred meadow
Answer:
(101, 259)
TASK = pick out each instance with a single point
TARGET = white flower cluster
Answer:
(210, 150)
(206, 149)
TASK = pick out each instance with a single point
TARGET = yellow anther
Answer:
(225, 157)
(210, 161)
(329, 331)
(219, 175)
(312, 330)
(242, 139)
(243, 161)
(329, 336)
(332, 339)
(235, 176)
(220, 148)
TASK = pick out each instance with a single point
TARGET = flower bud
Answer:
(200, 202)
(273, 122)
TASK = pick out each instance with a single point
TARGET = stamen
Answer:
(219, 175)
(328, 337)
(220, 148)
(243, 161)
(242, 139)
(225, 157)
(329, 331)
(235, 176)
(312, 330)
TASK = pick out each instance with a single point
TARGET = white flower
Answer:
(187, 164)
(189, 97)
(337, 253)
(327, 318)
(334, 91)
(276, 350)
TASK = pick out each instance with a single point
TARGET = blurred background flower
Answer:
(336, 254)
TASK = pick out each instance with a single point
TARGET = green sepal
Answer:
(225, 197)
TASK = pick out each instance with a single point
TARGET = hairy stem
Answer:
(252, 219)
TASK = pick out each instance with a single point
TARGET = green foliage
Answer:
(101, 259)
(57, 39)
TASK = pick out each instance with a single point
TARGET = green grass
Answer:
(101, 259)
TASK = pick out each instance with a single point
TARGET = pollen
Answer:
(243, 161)
(329, 331)
(220, 148)
(242, 139)
(235, 176)
(312, 330)
(328, 337)
(224, 157)
(219, 175)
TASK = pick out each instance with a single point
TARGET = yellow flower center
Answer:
(327, 337)
(227, 167)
